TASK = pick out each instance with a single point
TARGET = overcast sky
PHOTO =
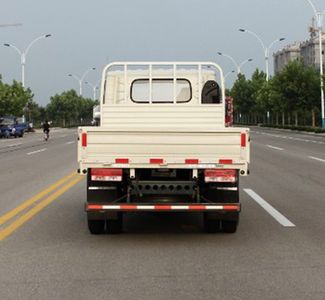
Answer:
(92, 33)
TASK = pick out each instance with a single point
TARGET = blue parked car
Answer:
(22, 126)
(10, 127)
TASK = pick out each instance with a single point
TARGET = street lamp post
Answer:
(321, 69)
(94, 87)
(81, 79)
(227, 75)
(11, 25)
(244, 62)
(266, 50)
(319, 16)
(24, 53)
(238, 66)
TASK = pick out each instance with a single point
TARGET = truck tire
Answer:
(229, 226)
(211, 225)
(114, 226)
(96, 226)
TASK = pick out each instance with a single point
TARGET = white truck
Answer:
(162, 146)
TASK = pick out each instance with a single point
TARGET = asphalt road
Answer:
(46, 251)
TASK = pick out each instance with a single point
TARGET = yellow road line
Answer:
(6, 217)
(36, 209)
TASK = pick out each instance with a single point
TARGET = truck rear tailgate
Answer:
(103, 147)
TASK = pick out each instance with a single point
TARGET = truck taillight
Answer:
(122, 160)
(225, 161)
(243, 139)
(191, 161)
(156, 160)
(220, 175)
(84, 140)
(106, 174)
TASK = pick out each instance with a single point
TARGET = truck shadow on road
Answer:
(162, 223)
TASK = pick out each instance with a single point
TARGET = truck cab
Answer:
(163, 146)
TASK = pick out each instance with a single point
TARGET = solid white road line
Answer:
(270, 209)
(69, 143)
(37, 151)
(316, 158)
(276, 148)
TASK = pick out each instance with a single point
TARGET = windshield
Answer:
(6, 121)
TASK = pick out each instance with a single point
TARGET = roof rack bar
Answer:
(150, 83)
(125, 81)
(174, 83)
(199, 83)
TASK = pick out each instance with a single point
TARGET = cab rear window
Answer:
(162, 90)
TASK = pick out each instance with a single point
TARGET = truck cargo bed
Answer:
(143, 148)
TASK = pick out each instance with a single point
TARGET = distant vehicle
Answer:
(96, 115)
(229, 111)
(22, 126)
(28, 127)
(163, 145)
(9, 126)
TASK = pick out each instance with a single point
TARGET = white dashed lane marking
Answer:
(14, 145)
(275, 148)
(270, 209)
(37, 151)
(316, 158)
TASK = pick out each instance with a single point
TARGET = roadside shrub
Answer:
(297, 128)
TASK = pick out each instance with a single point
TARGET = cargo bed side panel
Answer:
(105, 146)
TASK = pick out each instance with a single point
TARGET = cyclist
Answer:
(46, 130)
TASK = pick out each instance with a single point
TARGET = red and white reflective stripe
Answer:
(191, 161)
(102, 174)
(122, 161)
(187, 161)
(164, 207)
(225, 161)
(216, 175)
(156, 161)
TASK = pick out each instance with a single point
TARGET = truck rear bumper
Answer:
(202, 207)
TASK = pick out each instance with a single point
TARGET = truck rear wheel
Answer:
(229, 226)
(96, 226)
(114, 226)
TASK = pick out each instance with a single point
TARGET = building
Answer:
(307, 51)
(283, 56)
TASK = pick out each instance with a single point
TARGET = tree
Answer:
(14, 98)
(37, 113)
(242, 93)
(68, 108)
(298, 88)
(259, 84)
